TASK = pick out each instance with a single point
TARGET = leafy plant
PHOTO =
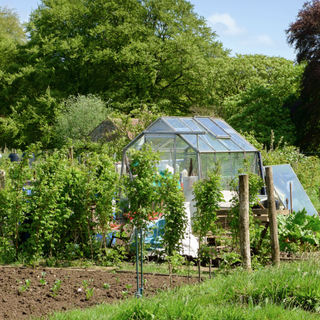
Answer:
(89, 293)
(207, 195)
(25, 287)
(43, 281)
(296, 229)
(56, 287)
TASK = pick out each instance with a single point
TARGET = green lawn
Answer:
(291, 291)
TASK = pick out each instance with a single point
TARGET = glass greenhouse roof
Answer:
(203, 134)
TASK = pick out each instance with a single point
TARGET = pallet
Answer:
(259, 214)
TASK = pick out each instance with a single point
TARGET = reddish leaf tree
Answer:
(304, 36)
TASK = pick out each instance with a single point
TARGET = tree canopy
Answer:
(304, 36)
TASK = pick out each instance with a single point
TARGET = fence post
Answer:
(244, 221)
(273, 223)
(2, 179)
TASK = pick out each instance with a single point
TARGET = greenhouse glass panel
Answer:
(226, 174)
(138, 144)
(155, 143)
(208, 163)
(253, 162)
(244, 145)
(181, 144)
(282, 176)
(237, 163)
(192, 139)
(203, 146)
(215, 143)
(192, 124)
(230, 145)
(160, 125)
(178, 125)
(216, 130)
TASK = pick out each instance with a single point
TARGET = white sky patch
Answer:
(225, 24)
(262, 40)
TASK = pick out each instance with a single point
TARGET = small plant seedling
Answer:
(117, 279)
(18, 280)
(56, 287)
(145, 281)
(43, 274)
(129, 286)
(28, 282)
(26, 287)
(89, 293)
(125, 293)
(43, 281)
(106, 286)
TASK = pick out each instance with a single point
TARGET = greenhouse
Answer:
(191, 146)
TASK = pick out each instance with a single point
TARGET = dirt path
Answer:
(38, 299)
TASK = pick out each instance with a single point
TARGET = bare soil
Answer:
(38, 300)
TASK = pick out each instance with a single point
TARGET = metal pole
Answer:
(137, 265)
(291, 197)
(141, 246)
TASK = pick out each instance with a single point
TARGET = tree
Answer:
(231, 76)
(10, 25)
(133, 51)
(79, 116)
(261, 110)
(304, 36)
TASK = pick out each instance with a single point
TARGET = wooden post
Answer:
(273, 223)
(244, 221)
(2, 179)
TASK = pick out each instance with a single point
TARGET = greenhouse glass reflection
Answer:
(191, 146)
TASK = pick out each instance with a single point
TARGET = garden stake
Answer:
(210, 262)
(141, 244)
(137, 294)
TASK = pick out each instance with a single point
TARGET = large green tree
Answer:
(126, 51)
(231, 76)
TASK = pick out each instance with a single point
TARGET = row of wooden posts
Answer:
(244, 219)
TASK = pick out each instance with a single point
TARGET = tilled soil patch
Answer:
(38, 300)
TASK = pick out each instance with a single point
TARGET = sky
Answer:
(244, 26)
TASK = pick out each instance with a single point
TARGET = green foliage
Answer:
(126, 130)
(69, 200)
(140, 186)
(260, 110)
(174, 211)
(296, 229)
(231, 77)
(10, 25)
(207, 195)
(78, 117)
(175, 262)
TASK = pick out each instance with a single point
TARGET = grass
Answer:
(290, 291)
